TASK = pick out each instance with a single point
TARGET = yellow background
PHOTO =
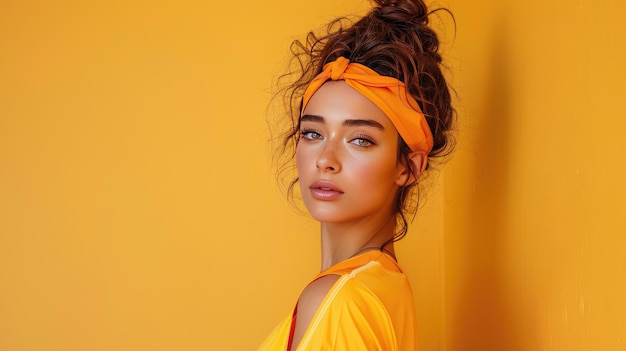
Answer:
(138, 208)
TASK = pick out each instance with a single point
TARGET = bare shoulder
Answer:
(317, 290)
(308, 303)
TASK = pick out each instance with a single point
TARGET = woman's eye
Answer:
(310, 135)
(363, 142)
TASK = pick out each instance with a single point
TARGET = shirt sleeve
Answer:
(277, 340)
(351, 317)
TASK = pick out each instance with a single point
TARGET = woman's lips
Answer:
(325, 191)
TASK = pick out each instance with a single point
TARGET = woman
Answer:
(372, 108)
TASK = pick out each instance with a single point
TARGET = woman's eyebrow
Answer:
(363, 122)
(312, 118)
(347, 122)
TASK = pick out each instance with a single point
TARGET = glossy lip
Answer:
(325, 191)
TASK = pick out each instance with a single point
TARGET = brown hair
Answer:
(394, 40)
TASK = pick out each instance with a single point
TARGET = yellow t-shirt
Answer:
(370, 307)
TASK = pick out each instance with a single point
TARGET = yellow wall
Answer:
(138, 209)
(534, 210)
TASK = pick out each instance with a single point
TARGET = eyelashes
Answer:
(310, 134)
(363, 140)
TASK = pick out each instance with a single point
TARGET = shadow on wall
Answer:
(486, 313)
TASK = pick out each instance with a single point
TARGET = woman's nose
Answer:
(328, 159)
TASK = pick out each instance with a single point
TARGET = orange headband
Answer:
(388, 93)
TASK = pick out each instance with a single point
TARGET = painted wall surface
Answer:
(139, 210)
(534, 211)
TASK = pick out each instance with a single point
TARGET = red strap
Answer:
(293, 328)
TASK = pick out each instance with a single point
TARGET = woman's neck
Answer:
(342, 241)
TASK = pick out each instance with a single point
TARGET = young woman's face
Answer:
(347, 157)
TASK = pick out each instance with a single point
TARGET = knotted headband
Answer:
(388, 93)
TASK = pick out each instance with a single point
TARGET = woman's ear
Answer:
(419, 161)
(410, 174)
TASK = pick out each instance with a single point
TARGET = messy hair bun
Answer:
(401, 11)
(394, 40)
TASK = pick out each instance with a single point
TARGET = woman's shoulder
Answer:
(342, 310)
(309, 303)
(372, 287)
(313, 295)
(367, 302)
